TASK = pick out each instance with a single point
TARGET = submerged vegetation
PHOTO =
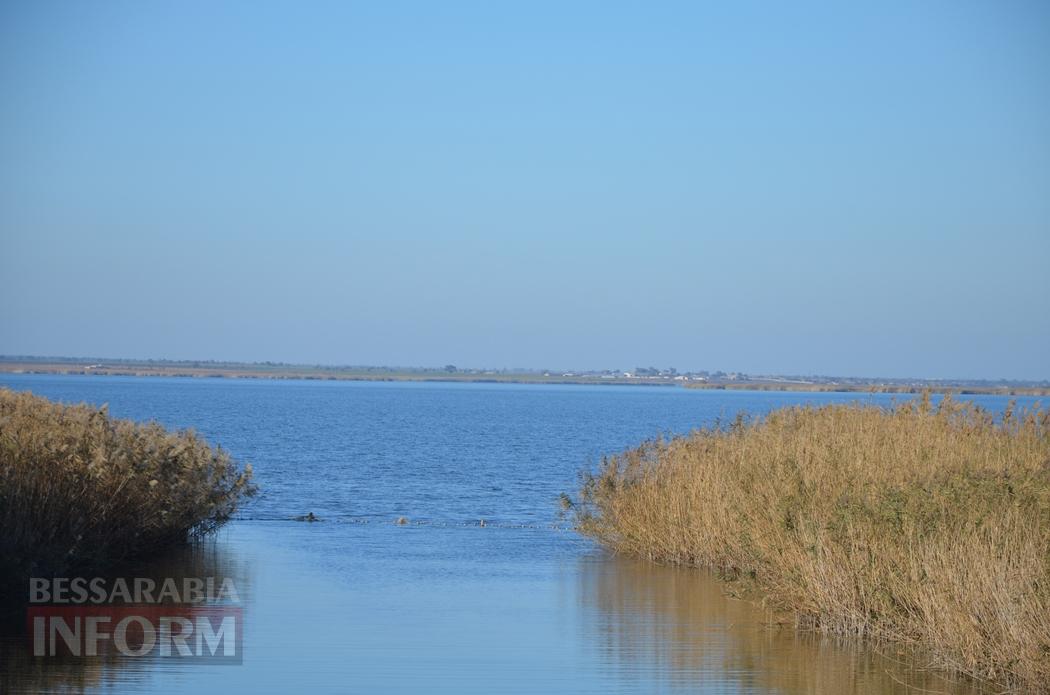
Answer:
(923, 524)
(80, 489)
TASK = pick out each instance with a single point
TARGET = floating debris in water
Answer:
(405, 521)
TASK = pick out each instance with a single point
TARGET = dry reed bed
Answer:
(921, 524)
(79, 489)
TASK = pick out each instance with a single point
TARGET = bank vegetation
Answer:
(922, 524)
(80, 489)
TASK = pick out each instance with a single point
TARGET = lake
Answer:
(444, 602)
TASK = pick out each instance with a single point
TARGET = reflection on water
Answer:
(22, 672)
(347, 608)
(357, 604)
(678, 624)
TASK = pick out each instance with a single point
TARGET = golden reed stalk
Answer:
(921, 524)
(79, 489)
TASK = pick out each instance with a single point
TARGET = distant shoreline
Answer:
(320, 373)
(312, 374)
(875, 388)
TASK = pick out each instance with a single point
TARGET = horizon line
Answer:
(733, 374)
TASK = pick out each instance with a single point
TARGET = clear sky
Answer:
(837, 188)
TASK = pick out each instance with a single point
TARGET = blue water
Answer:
(356, 603)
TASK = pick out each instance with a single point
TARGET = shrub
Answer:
(80, 489)
(927, 525)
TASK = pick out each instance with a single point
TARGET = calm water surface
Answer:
(358, 604)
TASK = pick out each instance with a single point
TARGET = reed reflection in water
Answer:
(22, 672)
(678, 624)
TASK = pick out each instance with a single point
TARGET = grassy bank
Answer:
(79, 489)
(921, 524)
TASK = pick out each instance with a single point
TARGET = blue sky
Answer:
(837, 188)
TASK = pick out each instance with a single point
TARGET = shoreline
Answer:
(907, 389)
(290, 372)
(319, 374)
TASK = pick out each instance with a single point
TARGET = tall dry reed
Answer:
(80, 489)
(923, 524)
